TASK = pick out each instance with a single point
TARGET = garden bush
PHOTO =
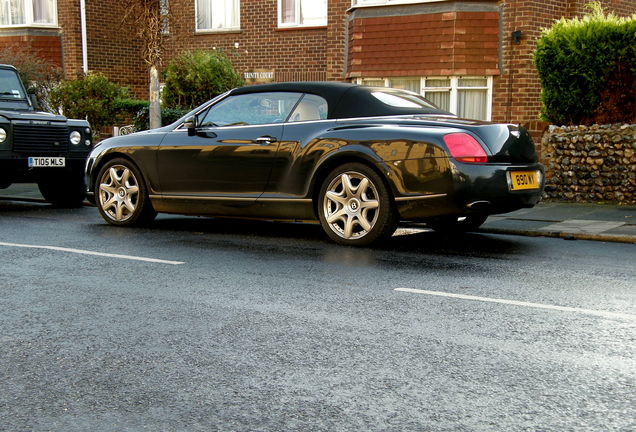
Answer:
(195, 77)
(141, 118)
(92, 96)
(587, 69)
(38, 75)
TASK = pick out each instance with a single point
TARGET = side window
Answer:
(251, 109)
(311, 107)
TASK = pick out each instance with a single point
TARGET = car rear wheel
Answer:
(355, 207)
(64, 190)
(121, 194)
(457, 224)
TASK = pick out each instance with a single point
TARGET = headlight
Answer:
(75, 137)
(3, 135)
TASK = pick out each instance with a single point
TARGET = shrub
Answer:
(130, 106)
(38, 75)
(587, 69)
(194, 77)
(92, 96)
(168, 116)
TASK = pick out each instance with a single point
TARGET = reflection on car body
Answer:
(358, 159)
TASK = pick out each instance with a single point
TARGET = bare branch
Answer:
(146, 19)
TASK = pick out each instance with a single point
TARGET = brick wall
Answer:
(114, 49)
(293, 54)
(516, 92)
(45, 44)
(436, 44)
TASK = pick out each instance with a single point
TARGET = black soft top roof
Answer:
(345, 100)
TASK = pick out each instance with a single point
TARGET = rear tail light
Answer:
(464, 148)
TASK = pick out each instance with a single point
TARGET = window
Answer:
(401, 99)
(36, 13)
(302, 13)
(218, 15)
(468, 97)
(164, 15)
(10, 87)
(251, 109)
(311, 107)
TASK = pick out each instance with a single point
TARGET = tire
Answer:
(121, 194)
(456, 224)
(67, 190)
(355, 206)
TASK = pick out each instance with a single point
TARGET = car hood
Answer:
(32, 115)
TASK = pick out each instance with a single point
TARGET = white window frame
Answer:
(216, 30)
(281, 24)
(28, 15)
(369, 3)
(454, 88)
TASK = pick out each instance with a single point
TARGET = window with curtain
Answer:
(472, 98)
(302, 13)
(43, 11)
(28, 13)
(468, 97)
(218, 15)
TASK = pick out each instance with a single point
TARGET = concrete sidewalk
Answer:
(599, 222)
(564, 220)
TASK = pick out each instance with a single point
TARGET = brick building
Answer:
(471, 57)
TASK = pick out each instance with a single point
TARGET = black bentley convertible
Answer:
(358, 159)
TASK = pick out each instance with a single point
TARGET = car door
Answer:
(231, 151)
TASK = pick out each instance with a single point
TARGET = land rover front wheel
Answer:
(65, 189)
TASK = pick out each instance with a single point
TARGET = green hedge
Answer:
(92, 96)
(195, 77)
(587, 69)
(168, 116)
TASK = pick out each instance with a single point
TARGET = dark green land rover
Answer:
(39, 147)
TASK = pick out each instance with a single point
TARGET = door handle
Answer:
(264, 140)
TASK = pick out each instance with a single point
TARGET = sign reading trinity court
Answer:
(259, 76)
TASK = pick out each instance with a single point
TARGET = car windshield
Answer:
(10, 87)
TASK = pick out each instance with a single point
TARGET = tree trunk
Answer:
(155, 108)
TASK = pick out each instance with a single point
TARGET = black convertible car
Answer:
(359, 159)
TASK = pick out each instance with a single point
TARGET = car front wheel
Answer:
(355, 207)
(121, 194)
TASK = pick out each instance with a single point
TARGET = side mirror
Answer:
(34, 101)
(190, 123)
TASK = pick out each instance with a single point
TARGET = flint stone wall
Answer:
(590, 163)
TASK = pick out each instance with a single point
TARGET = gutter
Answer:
(84, 38)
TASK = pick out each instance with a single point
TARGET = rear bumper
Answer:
(463, 189)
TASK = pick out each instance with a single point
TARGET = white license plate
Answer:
(39, 162)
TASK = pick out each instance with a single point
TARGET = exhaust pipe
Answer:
(479, 205)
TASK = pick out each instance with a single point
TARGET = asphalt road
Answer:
(199, 324)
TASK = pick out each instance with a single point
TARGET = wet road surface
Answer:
(208, 324)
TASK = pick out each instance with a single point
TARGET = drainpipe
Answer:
(84, 40)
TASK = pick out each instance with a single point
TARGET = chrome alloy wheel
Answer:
(118, 193)
(351, 205)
